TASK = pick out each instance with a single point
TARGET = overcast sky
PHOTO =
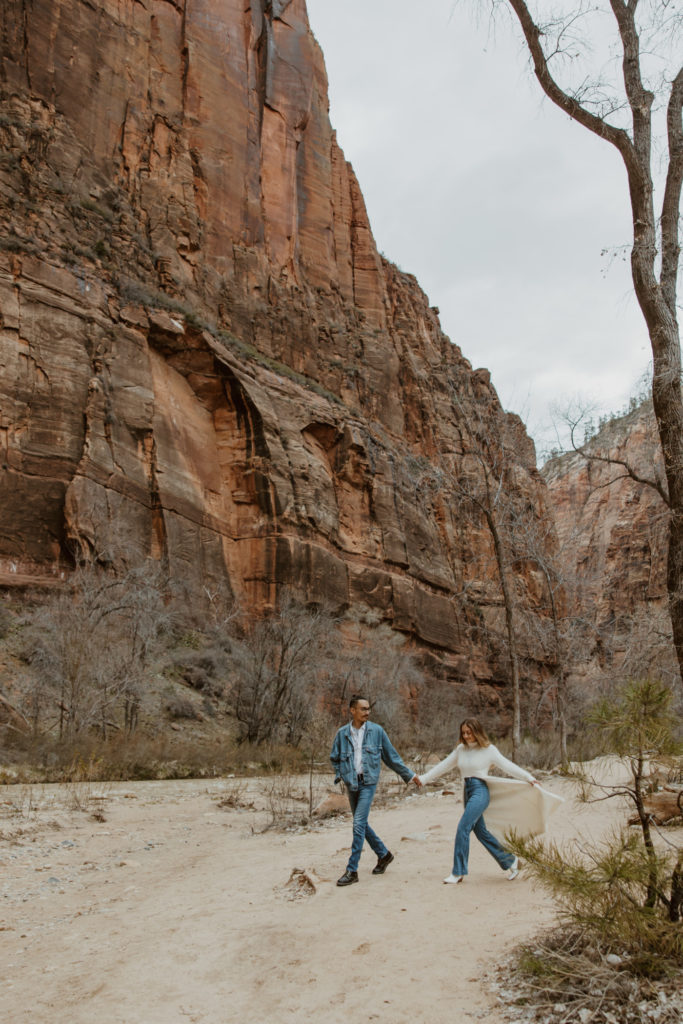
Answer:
(498, 203)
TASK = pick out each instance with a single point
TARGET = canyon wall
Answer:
(202, 354)
(612, 546)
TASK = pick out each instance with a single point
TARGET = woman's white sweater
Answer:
(474, 763)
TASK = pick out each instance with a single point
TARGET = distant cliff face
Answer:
(201, 351)
(613, 542)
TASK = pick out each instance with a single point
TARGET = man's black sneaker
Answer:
(348, 878)
(383, 863)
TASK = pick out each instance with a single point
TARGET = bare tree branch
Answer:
(672, 195)
(566, 102)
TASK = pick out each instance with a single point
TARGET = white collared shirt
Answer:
(357, 740)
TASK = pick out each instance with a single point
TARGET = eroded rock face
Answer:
(201, 351)
(613, 543)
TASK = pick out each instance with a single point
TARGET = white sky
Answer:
(496, 201)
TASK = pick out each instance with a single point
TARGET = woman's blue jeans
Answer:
(361, 800)
(477, 798)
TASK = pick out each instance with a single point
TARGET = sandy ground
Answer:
(175, 909)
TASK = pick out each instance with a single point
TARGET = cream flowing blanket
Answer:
(517, 806)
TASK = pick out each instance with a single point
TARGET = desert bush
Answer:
(565, 975)
(140, 756)
(440, 710)
(85, 786)
(278, 664)
(234, 795)
(626, 891)
(605, 890)
(381, 668)
(204, 669)
(286, 805)
(7, 621)
(544, 749)
(90, 645)
(181, 707)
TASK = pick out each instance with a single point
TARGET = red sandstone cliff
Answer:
(201, 350)
(613, 541)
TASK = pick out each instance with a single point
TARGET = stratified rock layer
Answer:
(613, 543)
(202, 353)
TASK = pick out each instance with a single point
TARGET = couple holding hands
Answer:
(357, 752)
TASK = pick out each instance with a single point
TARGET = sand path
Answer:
(174, 910)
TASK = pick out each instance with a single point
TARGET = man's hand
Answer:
(417, 780)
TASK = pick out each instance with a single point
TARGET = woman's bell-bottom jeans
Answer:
(361, 800)
(477, 798)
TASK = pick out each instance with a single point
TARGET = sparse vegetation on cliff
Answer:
(112, 670)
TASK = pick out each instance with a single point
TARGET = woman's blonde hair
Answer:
(478, 731)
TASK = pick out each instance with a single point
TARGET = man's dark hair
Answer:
(356, 697)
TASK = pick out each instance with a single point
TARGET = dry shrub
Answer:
(287, 806)
(277, 667)
(233, 796)
(566, 975)
(544, 749)
(7, 621)
(86, 790)
(181, 707)
(24, 800)
(90, 644)
(603, 890)
(137, 757)
(204, 669)
(619, 901)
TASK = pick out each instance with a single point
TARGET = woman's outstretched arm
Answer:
(442, 767)
(509, 766)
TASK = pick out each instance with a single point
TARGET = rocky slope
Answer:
(613, 540)
(202, 353)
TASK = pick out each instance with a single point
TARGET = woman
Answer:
(474, 755)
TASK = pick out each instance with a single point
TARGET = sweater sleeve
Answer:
(442, 767)
(508, 766)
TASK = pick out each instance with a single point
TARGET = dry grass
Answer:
(167, 755)
(234, 796)
(565, 976)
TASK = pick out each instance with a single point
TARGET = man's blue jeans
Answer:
(361, 800)
(477, 798)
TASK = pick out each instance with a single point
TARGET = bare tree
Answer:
(621, 114)
(566, 629)
(90, 645)
(485, 488)
(599, 447)
(278, 665)
(380, 666)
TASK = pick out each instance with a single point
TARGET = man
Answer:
(357, 751)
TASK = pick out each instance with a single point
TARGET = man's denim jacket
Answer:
(376, 748)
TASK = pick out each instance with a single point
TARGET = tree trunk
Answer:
(668, 407)
(561, 678)
(653, 882)
(656, 297)
(509, 603)
(676, 901)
